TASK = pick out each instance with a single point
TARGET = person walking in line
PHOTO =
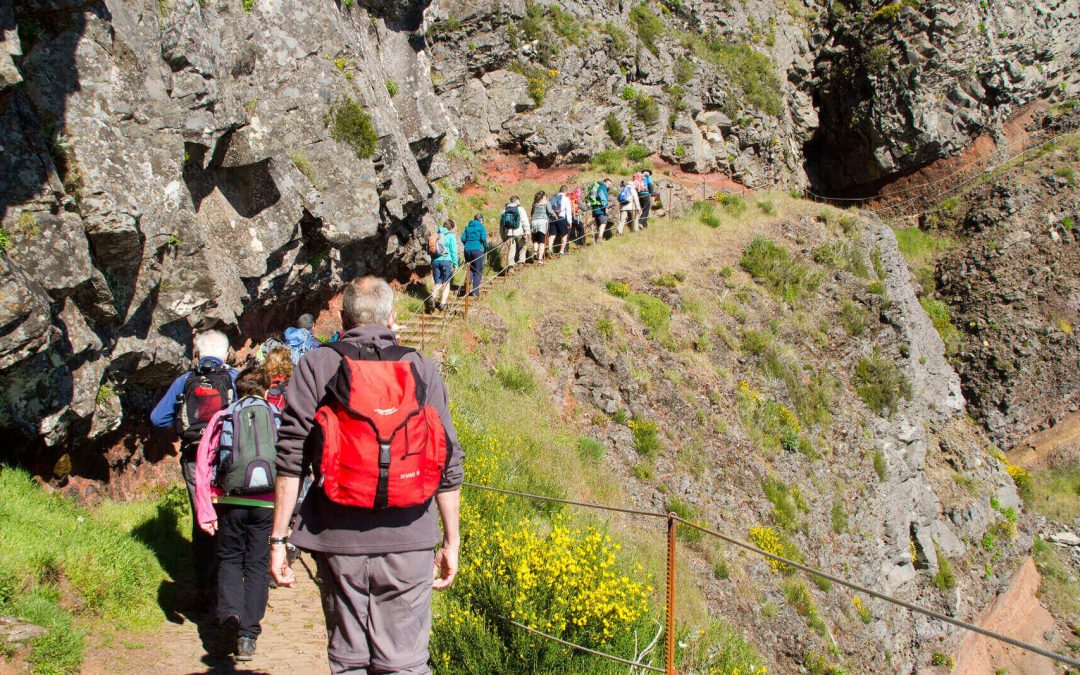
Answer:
(542, 215)
(474, 240)
(599, 201)
(514, 226)
(628, 205)
(187, 407)
(234, 472)
(645, 196)
(560, 206)
(372, 533)
(444, 260)
(577, 223)
(278, 367)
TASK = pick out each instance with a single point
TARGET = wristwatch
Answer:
(279, 541)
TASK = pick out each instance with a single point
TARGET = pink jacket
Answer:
(206, 494)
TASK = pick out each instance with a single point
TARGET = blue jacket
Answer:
(648, 184)
(451, 247)
(300, 341)
(474, 238)
(164, 412)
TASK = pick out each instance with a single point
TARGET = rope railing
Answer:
(673, 521)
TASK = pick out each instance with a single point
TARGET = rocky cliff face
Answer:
(171, 165)
(181, 164)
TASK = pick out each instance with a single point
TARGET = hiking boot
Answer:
(245, 649)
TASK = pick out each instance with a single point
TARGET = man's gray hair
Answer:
(211, 343)
(306, 321)
(367, 302)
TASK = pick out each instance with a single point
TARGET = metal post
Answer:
(468, 289)
(669, 660)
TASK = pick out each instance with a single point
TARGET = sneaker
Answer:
(245, 649)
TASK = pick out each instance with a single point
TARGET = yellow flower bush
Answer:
(1024, 485)
(773, 541)
(770, 424)
(551, 575)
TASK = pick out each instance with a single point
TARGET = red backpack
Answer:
(383, 445)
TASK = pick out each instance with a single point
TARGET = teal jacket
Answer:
(451, 247)
(475, 236)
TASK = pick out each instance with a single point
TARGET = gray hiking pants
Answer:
(378, 611)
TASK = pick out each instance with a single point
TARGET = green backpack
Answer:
(246, 464)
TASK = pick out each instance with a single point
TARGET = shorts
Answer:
(558, 228)
(442, 270)
(601, 217)
(539, 236)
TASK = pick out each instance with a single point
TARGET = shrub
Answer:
(786, 502)
(655, 314)
(590, 449)
(727, 271)
(772, 541)
(853, 318)
(646, 437)
(248, 5)
(719, 648)
(877, 58)
(863, 611)
(942, 659)
(684, 70)
(391, 88)
(839, 517)
(706, 213)
(798, 596)
(880, 384)
(5, 241)
(766, 421)
(942, 319)
(642, 471)
(606, 328)
(944, 578)
(646, 108)
(647, 25)
(767, 207)
(877, 288)
(720, 570)
(620, 41)
(1025, 487)
(733, 205)
(752, 72)
(1066, 172)
(880, 468)
(1068, 223)
(636, 152)
(891, 11)
(515, 378)
(620, 289)
(614, 128)
(789, 279)
(351, 123)
(686, 512)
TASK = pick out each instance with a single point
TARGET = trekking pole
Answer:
(669, 658)
(468, 292)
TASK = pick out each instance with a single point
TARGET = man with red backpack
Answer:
(372, 421)
(187, 407)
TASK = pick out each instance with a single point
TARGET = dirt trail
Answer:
(1056, 446)
(293, 641)
(1017, 613)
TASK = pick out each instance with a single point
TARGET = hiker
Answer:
(514, 227)
(645, 193)
(234, 472)
(278, 367)
(597, 197)
(629, 206)
(474, 240)
(372, 539)
(187, 407)
(542, 215)
(559, 227)
(444, 260)
(300, 340)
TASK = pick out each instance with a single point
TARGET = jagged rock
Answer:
(14, 633)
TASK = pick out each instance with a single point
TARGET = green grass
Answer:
(1056, 493)
(839, 517)
(646, 435)
(591, 449)
(880, 384)
(799, 597)
(686, 512)
(648, 26)
(787, 277)
(615, 129)
(516, 378)
(940, 316)
(853, 318)
(1060, 589)
(944, 579)
(112, 559)
(655, 314)
(922, 249)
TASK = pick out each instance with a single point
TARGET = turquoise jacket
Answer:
(475, 236)
(451, 247)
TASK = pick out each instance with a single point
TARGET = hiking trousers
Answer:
(646, 207)
(243, 551)
(476, 270)
(517, 250)
(202, 544)
(378, 611)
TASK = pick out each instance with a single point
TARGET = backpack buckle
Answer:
(384, 455)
